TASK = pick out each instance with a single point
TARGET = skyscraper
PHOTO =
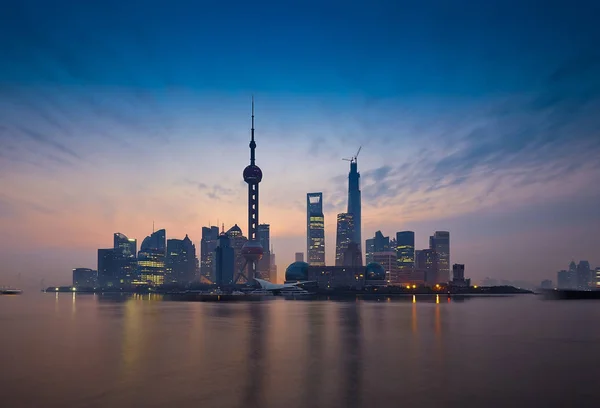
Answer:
(224, 261)
(427, 261)
(208, 244)
(273, 271)
(440, 242)
(237, 242)
(352, 256)
(126, 246)
(315, 229)
(299, 257)
(264, 265)
(405, 249)
(180, 265)
(584, 275)
(107, 269)
(378, 243)
(252, 250)
(345, 231)
(125, 258)
(354, 200)
(151, 258)
(563, 280)
(572, 273)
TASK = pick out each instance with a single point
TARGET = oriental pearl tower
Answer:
(252, 250)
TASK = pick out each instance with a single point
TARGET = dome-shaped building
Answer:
(297, 271)
(374, 271)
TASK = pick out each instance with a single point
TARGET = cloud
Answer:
(218, 193)
(49, 142)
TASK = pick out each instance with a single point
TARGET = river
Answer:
(68, 350)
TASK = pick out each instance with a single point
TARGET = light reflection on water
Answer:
(122, 351)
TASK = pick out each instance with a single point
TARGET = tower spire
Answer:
(252, 142)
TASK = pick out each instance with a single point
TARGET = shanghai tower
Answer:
(354, 204)
(252, 250)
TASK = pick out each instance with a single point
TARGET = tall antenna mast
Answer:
(252, 142)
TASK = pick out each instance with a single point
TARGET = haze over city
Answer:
(114, 117)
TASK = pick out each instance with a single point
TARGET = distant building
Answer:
(573, 278)
(85, 278)
(387, 259)
(354, 202)
(125, 258)
(597, 278)
(440, 243)
(352, 256)
(151, 258)
(427, 261)
(458, 276)
(563, 280)
(208, 244)
(180, 261)
(224, 261)
(127, 247)
(405, 249)
(378, 243)
(315, 229)
(273, 271)
(345, 234)
(299, 257)
(546, 284)
(584, 275)
(237, 241)
(108, 272)
(263, 268)
(327, 277)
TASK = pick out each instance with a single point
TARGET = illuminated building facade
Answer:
(315, 229)
(378, 243)
(237, 242)
(127, 247)
(125, 250)
(180, 264)
(151, 258)
(426, 261)
(440, 243)
(597, 278)
(387, 259)
(208, 244)
(264, 265)
(85, 278)
(344, 235)
(405, 249)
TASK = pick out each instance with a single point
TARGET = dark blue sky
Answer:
(376, 49)
(477, 117)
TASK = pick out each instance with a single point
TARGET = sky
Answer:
(480, 118)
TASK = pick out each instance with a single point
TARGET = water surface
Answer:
(93, 351)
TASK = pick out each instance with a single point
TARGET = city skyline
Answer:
(116, 129)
